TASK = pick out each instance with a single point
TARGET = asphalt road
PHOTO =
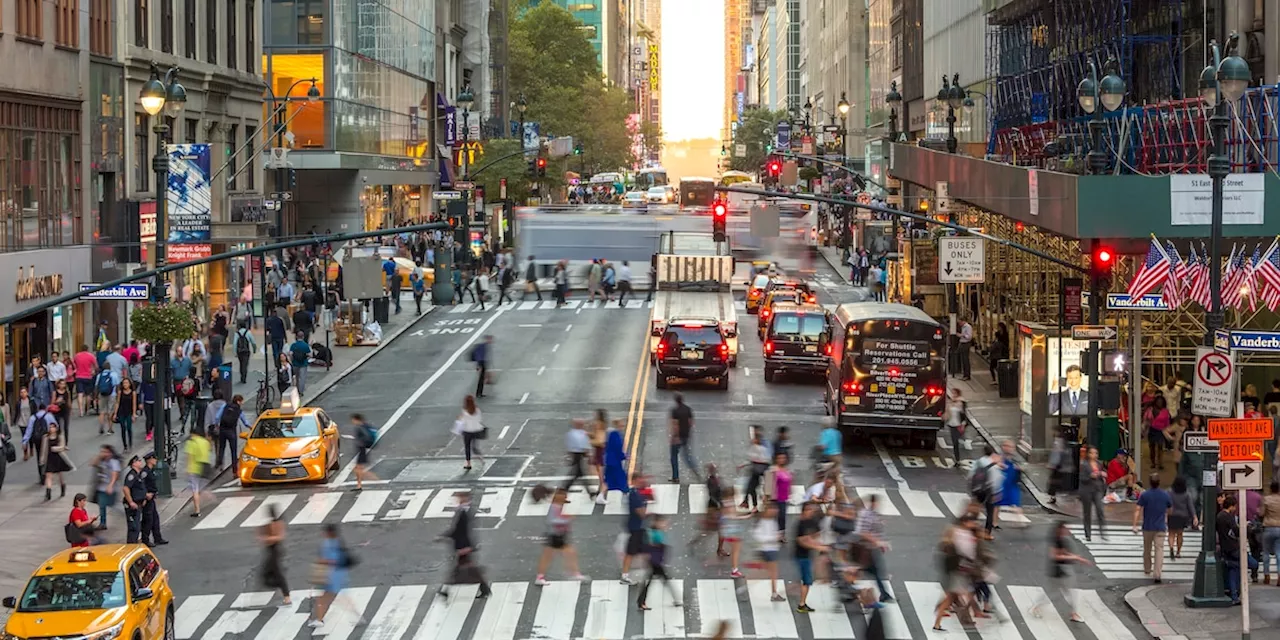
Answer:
(551, 366)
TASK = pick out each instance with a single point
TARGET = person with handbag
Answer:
(80, 525)
(199, 453)
(271, 535)
(471, 427)
(530, 280)
(466, 569)
(957, 421)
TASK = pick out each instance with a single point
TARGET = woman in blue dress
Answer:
(615, 455)
(1011, 491)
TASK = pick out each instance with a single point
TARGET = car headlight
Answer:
(106, 634)
(244, 457)
(314, 453)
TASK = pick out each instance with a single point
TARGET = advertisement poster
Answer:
(1025, 346)
(189, 202)
(1072, 395)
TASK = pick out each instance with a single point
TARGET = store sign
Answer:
(654, 77)
(33, 287)
(147, 222)
(177, 253)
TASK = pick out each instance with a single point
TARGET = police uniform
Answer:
(150, 514)
(133, 481)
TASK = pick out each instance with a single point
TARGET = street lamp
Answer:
(953, 97)
(893, 99)
(843, 105)
(164, 93)
(808, 110)
(1220, 83)
(1096, 97)
(521, 107)
(464, 101)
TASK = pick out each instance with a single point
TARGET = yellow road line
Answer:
(635, 388)
(634, 452)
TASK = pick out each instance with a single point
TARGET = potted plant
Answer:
(161, 323)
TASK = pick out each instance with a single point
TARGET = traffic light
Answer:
(542, 167)
(1102, 262)
(577, 149)
(774, 168)
(719, 220)
(533, 167)
(1019, 227)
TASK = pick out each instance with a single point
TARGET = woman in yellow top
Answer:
(199, 455)
(599, 431)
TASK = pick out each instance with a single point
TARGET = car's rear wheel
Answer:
(769, 374)
(723, 384)
(169, 632)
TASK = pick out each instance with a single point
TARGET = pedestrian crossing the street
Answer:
(607, 610)
(570, 305)
(1119, 555)
(387, 505)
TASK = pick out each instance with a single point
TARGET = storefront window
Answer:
(390, 205)
(306, 119)
(191, 285)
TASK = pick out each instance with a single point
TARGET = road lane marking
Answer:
(502, 434)
(422, 389)
(567, 328)
(517, 437)
(889, 465)
(524, 397)
(542, 369)
(746, 371)
(644, 397)
(529, 326)
(555, 348)
(224, 513)
(751, 401)
(635, 390)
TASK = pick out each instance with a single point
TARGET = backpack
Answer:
(40, 427)
(106, 385)
(242, 343)
(367, 435)
(230, 418)
(978, 485)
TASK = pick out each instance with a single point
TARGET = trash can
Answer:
(1007, 378)
(382, 310)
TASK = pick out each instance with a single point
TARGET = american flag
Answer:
(1232, 279)
(1249, 283)
(1268, 271)
(1175, 285)
(1200, 287)
(1153, 272)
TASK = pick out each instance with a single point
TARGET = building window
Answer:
(193, 127)
(250, 138)
(211, 31)
(68, 23)
(231, 158)
(141, 152)
(29, 19)
(100, 27)
(141, 26)
(250, 44)
(189, 29)
(166, 26)
(581, 6)
(231, 34)
(40, 162)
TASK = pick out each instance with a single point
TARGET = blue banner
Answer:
(1149, 302)
(128, 291)
(190, 198)
(1256, 341)
(532, 138)
(784, 136)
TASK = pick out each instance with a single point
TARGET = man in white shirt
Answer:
(56, 370)
(966, 341)
(624, 282)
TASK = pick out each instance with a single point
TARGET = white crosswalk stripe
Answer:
(574, 306)
(387, 505)
(1120, 555)
(607, 610)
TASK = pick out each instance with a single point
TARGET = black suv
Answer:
(693, 350)
(797, 338)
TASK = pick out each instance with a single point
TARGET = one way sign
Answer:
(962, 259)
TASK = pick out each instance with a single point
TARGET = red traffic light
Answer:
(1103, 256)
(775, 167)
(542, 163)
(719, 209)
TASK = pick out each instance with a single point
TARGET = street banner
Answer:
(189, 199)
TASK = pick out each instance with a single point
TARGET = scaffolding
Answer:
(1039, 50)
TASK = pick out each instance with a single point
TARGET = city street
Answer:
(552, 365)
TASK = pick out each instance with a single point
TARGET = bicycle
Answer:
(265, 398)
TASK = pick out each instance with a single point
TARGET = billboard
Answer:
(189, 199)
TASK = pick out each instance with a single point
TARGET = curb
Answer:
(1152, 619)
(838, 268)
(184, 498)
(1041, 497)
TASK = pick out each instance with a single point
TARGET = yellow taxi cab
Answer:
(287, 445)
(766, 308)
(95, 593)
(755, 293)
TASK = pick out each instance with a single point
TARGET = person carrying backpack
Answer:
(105, 385)
(37, 429)
(366, 436)
(229, 421)
(419, 285)
(244, 346)
(331, 571)
(985, 483)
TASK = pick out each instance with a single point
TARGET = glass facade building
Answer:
(591, 14)
(375, 62)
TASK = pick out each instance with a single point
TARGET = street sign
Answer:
(1240, 429)
(1213, 390)
(1104, 332)
(942, 192)
(1198, 442)
(446, 195)
(1222, 340)
(127, 291)
(1240, 451)
(464, 186)
(1148, 302)
(740, 150)
(1255, 341)
(962, 259)
(1242, 475)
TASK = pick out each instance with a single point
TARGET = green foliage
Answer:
(162, 323)
(752, 132)
(809, 173)
(553, 64)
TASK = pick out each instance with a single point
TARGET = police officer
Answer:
(150, 514)
(135, 497)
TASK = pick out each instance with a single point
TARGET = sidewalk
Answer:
(1161, 610)
(31, 529)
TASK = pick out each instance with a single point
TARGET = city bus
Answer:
(697, 192)
(887, 373)
(646, 179)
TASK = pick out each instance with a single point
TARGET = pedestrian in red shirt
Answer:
(82, 522)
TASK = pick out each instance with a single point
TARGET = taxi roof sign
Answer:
(289, 401)
(1240, 429)
(83, 556)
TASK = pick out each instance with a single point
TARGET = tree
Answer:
(515, 169)
(756, 131)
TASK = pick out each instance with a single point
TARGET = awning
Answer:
(446, 164)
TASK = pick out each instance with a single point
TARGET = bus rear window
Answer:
(807, 325)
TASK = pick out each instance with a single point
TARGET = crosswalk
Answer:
(606, 610)
(1119, 556)
(387, 505)
(570, 305)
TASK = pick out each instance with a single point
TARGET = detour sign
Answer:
(1240, 429)
(1240, 450)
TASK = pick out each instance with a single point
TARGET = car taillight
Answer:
(765, 313)
(768, 346)
(828, 349)
(813, 299)
(662, 349)
(852, 387)
(724, 350)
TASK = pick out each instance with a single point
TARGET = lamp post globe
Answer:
(466, 98)
(1087, 95)
(313, 92)
(1233, 77)
(521, 105)
(955, 97)
(1208, 87)
(1111, 90)
(153, 95)
(843, 105)
(175, 99)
